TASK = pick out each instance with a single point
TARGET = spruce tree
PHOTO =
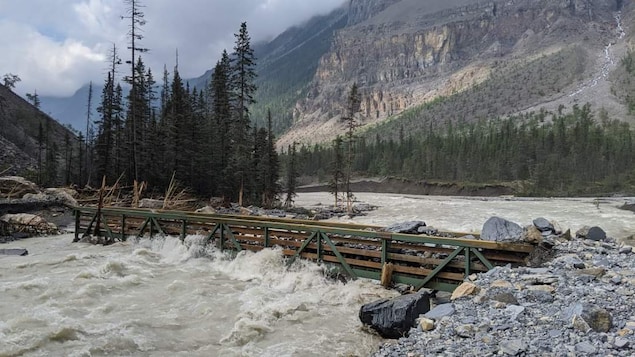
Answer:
(291, 176)
(243, 74)
(221, 114)
(352, 108)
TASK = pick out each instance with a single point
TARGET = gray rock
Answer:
(410, 227)
(585, 347)
(543, 225)
(582, 232)
(506, 297)
(497, 229)
(596, 234)
(621, 342)
(598, 319)
(393, 318)
(427, 230)
(514, 311)
(440, 311)
(465, 330)
(627, 249)
(513, 347)
(14, 251)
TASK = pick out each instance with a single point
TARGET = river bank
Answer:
(404, 186)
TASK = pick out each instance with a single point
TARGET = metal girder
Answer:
(439, 267)
(482, 258)
(338, 255)
(303, 247)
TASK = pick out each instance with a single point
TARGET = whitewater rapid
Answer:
(163, 298)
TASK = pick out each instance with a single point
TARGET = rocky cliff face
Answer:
(407, 52)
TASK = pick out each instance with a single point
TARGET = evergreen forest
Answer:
(561, 154)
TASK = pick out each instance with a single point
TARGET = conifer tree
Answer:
(136, 17)
(352, 108)
(243, 74)
(291, 176)
(221, 114)
(336, 170)
(272, 167)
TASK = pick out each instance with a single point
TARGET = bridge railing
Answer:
(435, 262)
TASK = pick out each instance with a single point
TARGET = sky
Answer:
(56, 46)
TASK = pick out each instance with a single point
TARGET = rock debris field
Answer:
(580, 303)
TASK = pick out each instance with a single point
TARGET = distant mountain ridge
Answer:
(19, 131)
(465, 59)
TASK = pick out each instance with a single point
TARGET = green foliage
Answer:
(203, 137)
(623, 79)
(554, 154)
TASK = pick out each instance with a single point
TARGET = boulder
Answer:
(532, 235)
(430, 231)
(426, 324)
(53, 196)
(393, 318)
(596, 234)
(410, 227)
(543, 225)
(582, 232)
(498, 229)
(597, 318)
(151, 203)
(16, 187)
(440, 311)
(31, 221)
(14, 251)
(465, 289)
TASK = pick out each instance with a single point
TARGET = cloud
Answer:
(57, 46)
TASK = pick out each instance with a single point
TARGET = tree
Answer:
(243, 74)
(88, 137)
(9, 80)
(221, 114)
(292, 177)
(272, 167)
(34, 99)
(352, 108)
(336, 169)
(136, 21)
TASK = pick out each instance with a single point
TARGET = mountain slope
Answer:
(19, 130)
(508, 56)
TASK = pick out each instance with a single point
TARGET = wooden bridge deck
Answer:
(439, 263)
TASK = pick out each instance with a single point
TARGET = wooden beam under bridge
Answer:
(438, 263)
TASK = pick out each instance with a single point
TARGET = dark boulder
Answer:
(14, 251)
(498, 229)
(393, 318)
(543, 225)
(596, 234)
(410, 227)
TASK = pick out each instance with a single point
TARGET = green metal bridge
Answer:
(364, 251)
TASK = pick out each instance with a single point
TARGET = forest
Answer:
(562, 154)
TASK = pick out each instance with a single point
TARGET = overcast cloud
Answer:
(56, 46)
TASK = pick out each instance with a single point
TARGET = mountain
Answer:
(72, 110)
(20, 124)
(463, 60)
(421, 63)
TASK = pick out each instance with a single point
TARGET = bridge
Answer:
(360, 251)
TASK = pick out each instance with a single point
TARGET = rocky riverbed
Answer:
(578, 304)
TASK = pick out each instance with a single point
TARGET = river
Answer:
(163, 298)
